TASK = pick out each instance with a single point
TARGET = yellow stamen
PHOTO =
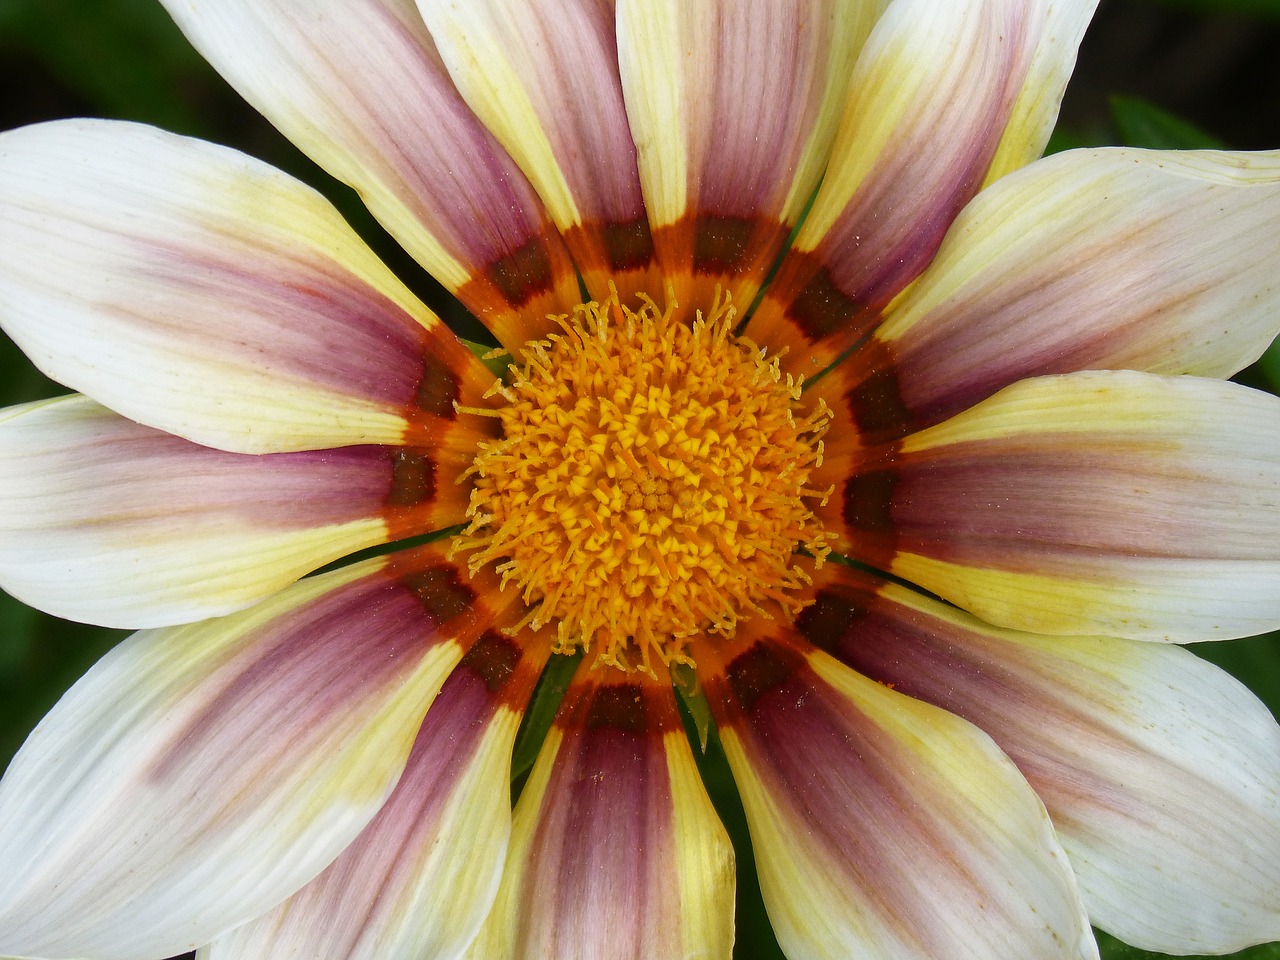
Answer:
(650, 484)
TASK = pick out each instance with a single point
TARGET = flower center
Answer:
(650, 484)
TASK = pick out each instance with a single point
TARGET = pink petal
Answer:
(616, 850)
(198, 775)
(196, 290)
(111, 522)
(883, 827)
(382, 115)
(1117, 503)
(420, 878)
(1161, 772)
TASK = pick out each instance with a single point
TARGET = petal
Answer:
(616, 850)
(383, 116)
(930, 98)
(198, 775)
(733, 128)
(110, 522)
(883, 827)
(1099, 259)
(194, 289)
(543, 76)
(1161, 773)
(1114, 503)
(1035, 112)
(421, 877)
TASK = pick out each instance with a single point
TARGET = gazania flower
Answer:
(904, 452)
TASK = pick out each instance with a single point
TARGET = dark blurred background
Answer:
(1156, 73)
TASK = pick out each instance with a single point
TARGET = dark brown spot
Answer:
(868, 501)
(721, 244)
(876, 403)
(757, 671)
(821, 308)
(628, 246)
(618, 707)
(438, 388)
(868, 514)
(493, 658)
(524, 274)
(826, 621)
(413, 479)
(441, 591)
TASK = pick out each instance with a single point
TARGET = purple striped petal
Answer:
(382, 115)
(198, 775)
(1106, 502)
(616, 850)
(734, 127)
(1161, 772)
(543, 77)
(930, 99)
(111, 522)
(199, 291)
(420, 878)
(883, 827)
(1089, 260)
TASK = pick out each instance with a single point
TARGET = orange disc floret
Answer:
(651, 482)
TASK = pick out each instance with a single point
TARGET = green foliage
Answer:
(1143, 124)
(1269, 366)
(537, 719)
(1112, 949)
(125, 58)
(695, 701)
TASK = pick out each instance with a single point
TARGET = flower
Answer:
(910, 517)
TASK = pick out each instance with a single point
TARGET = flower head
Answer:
(905, 452)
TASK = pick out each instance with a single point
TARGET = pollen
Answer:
(651, 483)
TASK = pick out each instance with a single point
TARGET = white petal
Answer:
(198, 775)
(1099, 259)
(380, 113)
(883, 827)
(111, 522)
(199, 291)
(421, 877)
(1160, 771)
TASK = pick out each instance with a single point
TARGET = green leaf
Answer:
(1143, 124)
(125, 58)
(495, 358)
(537, 719)
(1269, 365)
(40, 657)
(685, 679)
(1112, 949)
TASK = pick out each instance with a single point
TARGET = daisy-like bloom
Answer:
(907, 454)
